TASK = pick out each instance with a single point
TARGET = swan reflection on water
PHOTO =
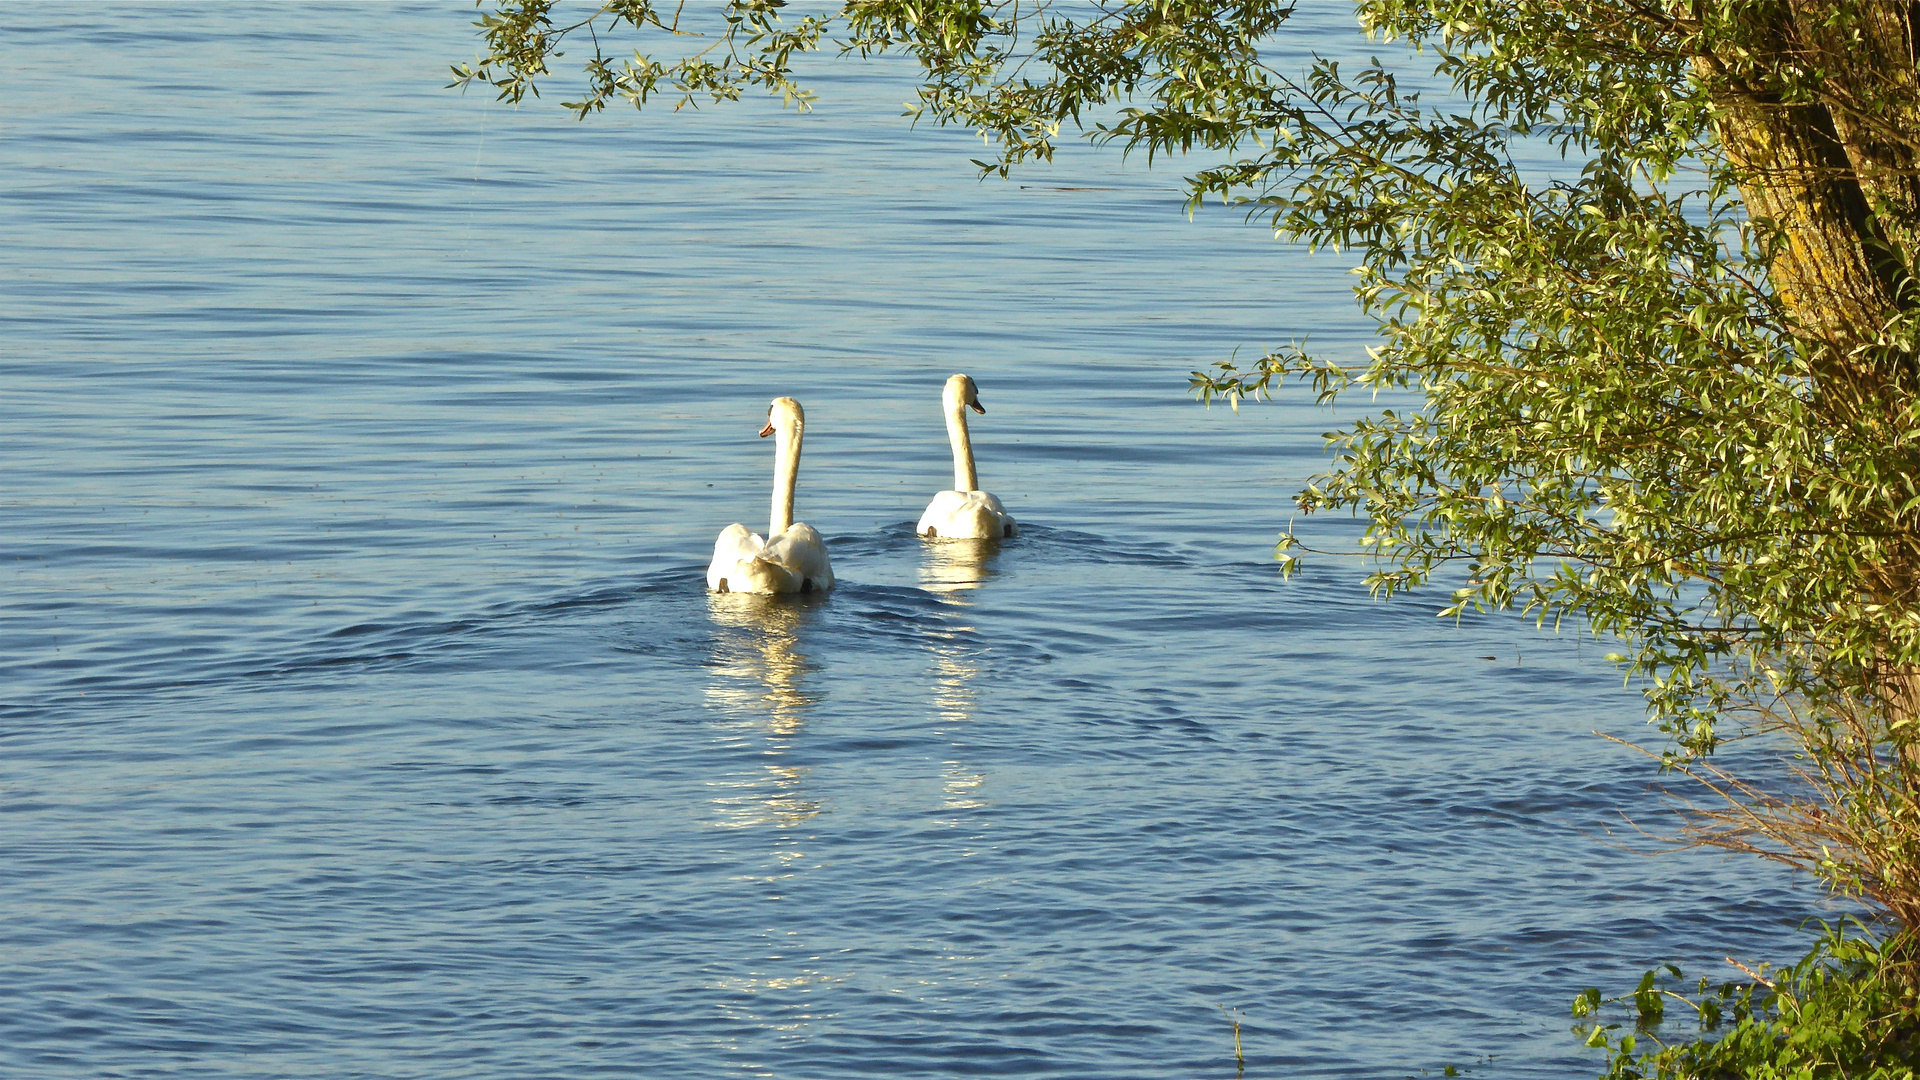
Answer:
(758, 673)
(951, 567)
(757, 690)
(954, 700)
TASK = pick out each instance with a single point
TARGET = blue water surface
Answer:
(363, 714)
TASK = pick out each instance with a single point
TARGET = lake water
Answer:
(362, 712)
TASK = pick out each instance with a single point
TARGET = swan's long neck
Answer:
(964, 478)
(786, 474)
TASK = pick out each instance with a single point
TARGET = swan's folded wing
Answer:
(1003, 523)
(802, 551)
(736, 545)
(940, 512)
(737, 542)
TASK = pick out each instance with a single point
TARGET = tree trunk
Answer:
(1818, 109)
(1820, 116)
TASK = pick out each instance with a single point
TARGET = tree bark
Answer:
(1818, 110)
(1819, 114)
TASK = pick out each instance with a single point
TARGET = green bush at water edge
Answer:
(1849, 1009)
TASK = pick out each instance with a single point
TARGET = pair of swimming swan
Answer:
(792, 558)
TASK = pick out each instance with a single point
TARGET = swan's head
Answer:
(961, 391)
(783, 415)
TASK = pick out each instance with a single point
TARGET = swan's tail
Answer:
(754, 574)
(768, 576)
(979, 523)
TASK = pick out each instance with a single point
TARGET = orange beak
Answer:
(977, 407)
(768, 430)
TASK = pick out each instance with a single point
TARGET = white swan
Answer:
(965, 513)
(794, 560)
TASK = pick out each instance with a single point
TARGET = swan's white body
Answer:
(966, 512)
(795, 559)
(966, 515)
